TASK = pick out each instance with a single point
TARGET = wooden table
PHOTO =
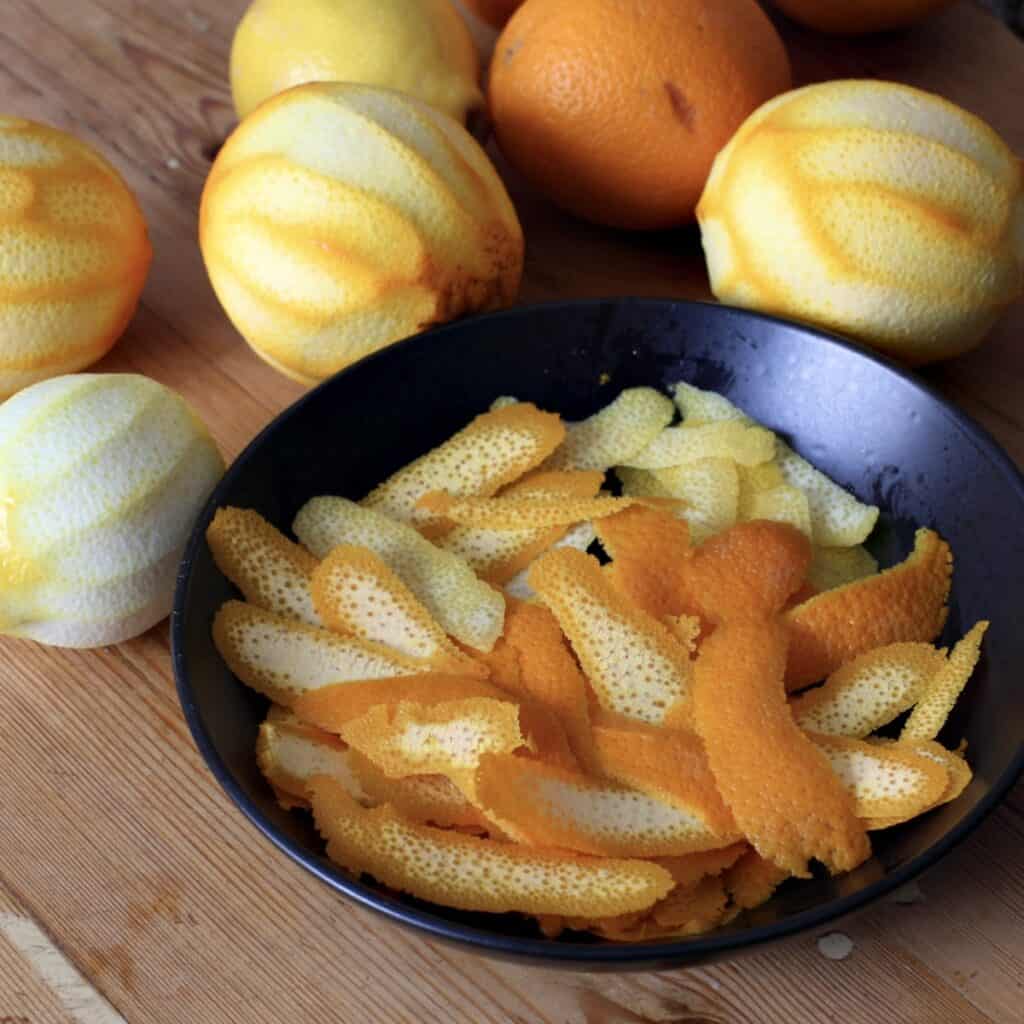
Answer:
(129, 885)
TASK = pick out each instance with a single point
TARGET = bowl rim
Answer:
(621, 955)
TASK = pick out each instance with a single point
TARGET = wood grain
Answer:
(115, 839)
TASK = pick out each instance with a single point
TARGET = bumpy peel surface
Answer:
(904, 603)
(521, 511)
(270, 570)
(957, 771)
(675, 446)
(356, 593)
(464, 606)
(282, 658)
(478, 874)
(493, 450)
(784, 796)
(752, 880)
(634, 664)
(869, 691)
(835, 567)
(578, 537)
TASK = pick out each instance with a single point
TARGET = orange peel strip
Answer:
(497, 555)
(282, 658)
(888, 781)
(332, 707)
(747, 572)
(669, 764)
(269, 570)
(634, 664)
(289, 756)
(690, 868)
(904, 603)
(494, 449)
(355, 592)
(550, 806)
(529, 511)
(478, 874)
(546, 740)
(752, 880)
(835, 567)
(464, 606)
(869, 691)
(578, 537)
(549, 675)
(447, 738)
(932, 710)
(958, 774)
(676, 446)
(647, 547)
(780, 788)
(616, 432)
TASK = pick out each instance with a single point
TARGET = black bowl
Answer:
(867, 424)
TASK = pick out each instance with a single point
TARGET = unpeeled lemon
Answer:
(339, 218)
(73, 254)
(420, 47)
(101, 477)
(872, 209)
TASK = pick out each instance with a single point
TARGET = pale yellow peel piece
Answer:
(522, 511)
(465, 607)
(283, 659)
(494, 449)
(696, 404)
(835, 567)
(889, 781)
(709, 489)
(675, 446)
(932, 710)
(270, 570)
(634, 664)
(783, 504)
(550, 806)
(764, 477)
(478, 874)
(869, 691)
(356, 593)
(616, 432)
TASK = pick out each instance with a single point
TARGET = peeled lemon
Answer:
(339, 218)
(101, 477)
(872, 209)
(420, 47)
(73, 254)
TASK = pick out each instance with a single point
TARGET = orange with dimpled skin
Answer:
(73, 254)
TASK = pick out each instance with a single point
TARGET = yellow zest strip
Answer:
(675, 446)
(465, 607)
(493, 450)
(780, 788)
(282, 658)
(932, 710)
(869, 691)
(532, 511)
(904, 603)
(709, 490)
(835, 567)
(478, 874)
(634, 664)
(267, 568)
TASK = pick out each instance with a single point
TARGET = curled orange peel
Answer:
(941, 693)
(752, 880)
(551, 806)
(470, 873)
(958, 775)
(904, 603)
(271, 571)
(690, 868)
(524, 511)
(355, 592)
(746, 572)
(546, 740)
(869, 691)
(634, 665)
(648, 547)
(493, 450)
(282, 658)
(780, 788)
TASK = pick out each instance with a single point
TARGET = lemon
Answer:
(101, 477)
(339, 218)
(872, 209)
(420, 47)
(73, 254)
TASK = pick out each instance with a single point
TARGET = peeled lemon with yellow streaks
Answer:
(420, 47)
(101, 476)
(339, 218)
(872, 209)
(73, 254)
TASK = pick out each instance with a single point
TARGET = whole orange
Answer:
(615, 109)
(858, 17)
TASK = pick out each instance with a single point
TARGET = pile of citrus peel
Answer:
(481, 714)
